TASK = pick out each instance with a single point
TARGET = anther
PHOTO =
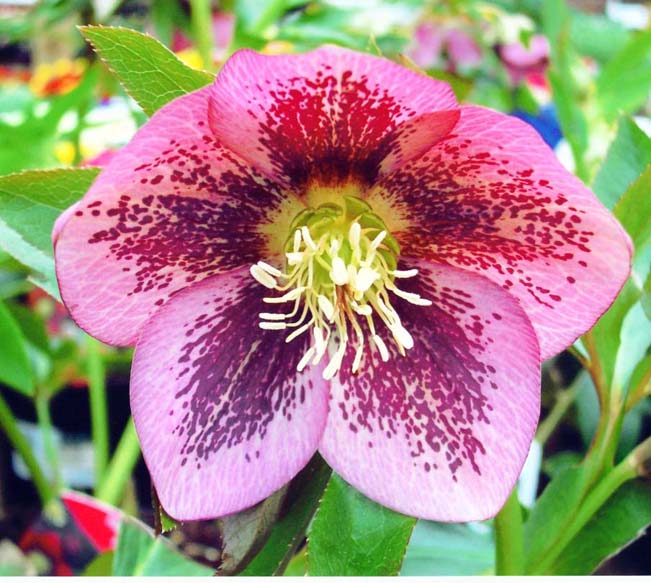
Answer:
(270, 269)
(366, 277)
(305, 360)
(335, 363)
(295, 258)
(378, 240)
(263, 277)
(272, 325)
(354, 235)
(403, 337)
(339, 273)
(358, 358)
(289, 296)
(308, 238)
(326, 307)
(382, 348)
(404, 273)
(411, 297)
(269, 316)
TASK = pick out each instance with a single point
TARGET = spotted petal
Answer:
(171, 208)
(223, 416)
(491, 197)
(443, 432)
(320, 115)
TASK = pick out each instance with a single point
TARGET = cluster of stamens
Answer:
(338, 274)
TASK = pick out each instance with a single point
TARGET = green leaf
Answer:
(351, 535)
(163, 522)
(244, 533)
(100, 566)
(32, 326)
(147, 70)
(297, 567)
(139, 552)
(30, 202)
(624, 83)
(618, 523)
(607, 333)
(633, 211)
(440, 549)
(628, 156)
(641, 376)
(645, 300)
(551, 514)
(619, 338)
(15, 369)
(589, 31)
(301, 501)
(635, 340)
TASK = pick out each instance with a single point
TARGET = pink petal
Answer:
(223, 417)
(522, 57)
(492, 198)
(171, 208)
(102, 159)
(328, 110)
(521, 62)
(427, 45)
(462, 49)
(415, 136)
(61, 220)
(443, 432)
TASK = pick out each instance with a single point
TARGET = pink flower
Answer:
(326, 252)
(432, 40)
(522, 62)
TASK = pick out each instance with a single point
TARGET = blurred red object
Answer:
(70, 542)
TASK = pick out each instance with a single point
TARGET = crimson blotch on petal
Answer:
(325, 252)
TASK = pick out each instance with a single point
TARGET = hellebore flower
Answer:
(432, 40)
(326, 252)
(522, 61)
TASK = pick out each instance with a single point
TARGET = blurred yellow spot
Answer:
(191, 58)
(278, 47)
(65, 152)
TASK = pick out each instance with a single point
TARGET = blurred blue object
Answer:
(545, 122)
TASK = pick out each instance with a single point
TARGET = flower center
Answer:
(340, 265)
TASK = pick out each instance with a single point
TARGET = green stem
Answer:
(509, 540)
(98, 407)
(42, 403)
(8, 423)
(641, 390)
(623, 472)
(111, 488)
(600, 458)
(201, 21)
(564, 400)
(595, 370)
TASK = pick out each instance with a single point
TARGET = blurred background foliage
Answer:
(579, 72)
